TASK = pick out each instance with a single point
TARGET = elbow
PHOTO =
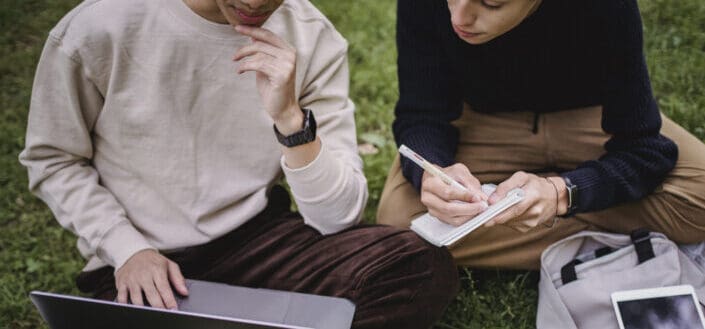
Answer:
(346, 211)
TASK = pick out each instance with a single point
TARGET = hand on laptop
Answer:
(150, 273)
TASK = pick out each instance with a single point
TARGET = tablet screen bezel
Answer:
(641, 294)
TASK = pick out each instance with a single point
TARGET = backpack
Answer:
(579, 274)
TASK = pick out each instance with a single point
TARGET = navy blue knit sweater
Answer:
(568, 54)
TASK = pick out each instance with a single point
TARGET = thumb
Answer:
(177, 279)
(499, 193)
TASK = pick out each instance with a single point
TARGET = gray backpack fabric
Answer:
(579, 273)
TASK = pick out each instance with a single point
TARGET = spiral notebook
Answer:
(441, 234)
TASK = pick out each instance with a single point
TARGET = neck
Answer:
(207, 9)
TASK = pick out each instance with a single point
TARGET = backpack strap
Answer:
(568, 274)
(642, 244)
(641, 238)
(603, 251)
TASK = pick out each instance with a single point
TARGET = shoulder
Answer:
(422, 6)
(306, 28)
(612, 16)
(422, 13)
(96, 23)
(604, 8)
(607, 26)
(305, 12)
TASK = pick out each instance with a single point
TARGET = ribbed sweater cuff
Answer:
(592, 193)
(120, 243)
(317, 180)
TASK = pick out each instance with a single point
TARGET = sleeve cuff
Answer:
(120, 243)
(587, 179)
(414, 173)
(317, 180)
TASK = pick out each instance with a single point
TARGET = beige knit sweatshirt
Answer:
(142, 135)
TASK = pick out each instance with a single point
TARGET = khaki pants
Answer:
(494, 146)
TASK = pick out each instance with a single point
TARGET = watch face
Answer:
(572, 195)
(306, 135)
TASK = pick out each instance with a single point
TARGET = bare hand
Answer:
(448, 203)
(274, 61)
(540, 204)
(149, 272)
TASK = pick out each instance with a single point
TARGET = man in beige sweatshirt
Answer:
(158, 130)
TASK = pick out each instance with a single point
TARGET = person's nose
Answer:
(463, 13)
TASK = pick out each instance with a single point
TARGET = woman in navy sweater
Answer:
(552, 96)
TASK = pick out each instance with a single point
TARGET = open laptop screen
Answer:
(209, 305)
(69, 312)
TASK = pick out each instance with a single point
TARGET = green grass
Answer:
(36, 253)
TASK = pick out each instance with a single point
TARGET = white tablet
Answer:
(657, 308)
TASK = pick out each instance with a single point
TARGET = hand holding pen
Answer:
(451, 194)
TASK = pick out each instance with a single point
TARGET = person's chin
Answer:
(476, 39)
(235, 22)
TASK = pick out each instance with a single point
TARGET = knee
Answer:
(688, 221)
(444, 283)
(407, 284)
(400, 202)
(441, 279)
(399, 205)
(440, 286)
(408, 257)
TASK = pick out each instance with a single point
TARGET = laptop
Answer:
(209, 305)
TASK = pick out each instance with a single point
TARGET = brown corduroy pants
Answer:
(395, 279)
(495, 146)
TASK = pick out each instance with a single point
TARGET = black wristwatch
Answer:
(306, 135)
(572, 197)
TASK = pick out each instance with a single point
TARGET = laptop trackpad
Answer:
(235, 302)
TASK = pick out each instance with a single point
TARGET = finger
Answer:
(259, 47)
(164, 289)
(258, 64)
(462, 174)
(458, 213)
(517, 180)
(536, 210)
(511, 213)
(256, 58)
(454, 213)
(459, 220)
(136, 295)
(153, 297)
(521, 228)
(122, 293)
(446, 192)
(531, 223)
(524, 225)
(177, 279)
(433, 204)
(261, 34)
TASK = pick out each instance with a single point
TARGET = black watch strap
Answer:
(306, 135)
(572, 190)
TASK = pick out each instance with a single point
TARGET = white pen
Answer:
(419, 160)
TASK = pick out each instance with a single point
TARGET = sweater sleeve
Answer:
(58, 150)
(428, 92)
(637, 157)
(331, 191)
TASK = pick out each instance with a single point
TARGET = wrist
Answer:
(562, 204)
(290, 120)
